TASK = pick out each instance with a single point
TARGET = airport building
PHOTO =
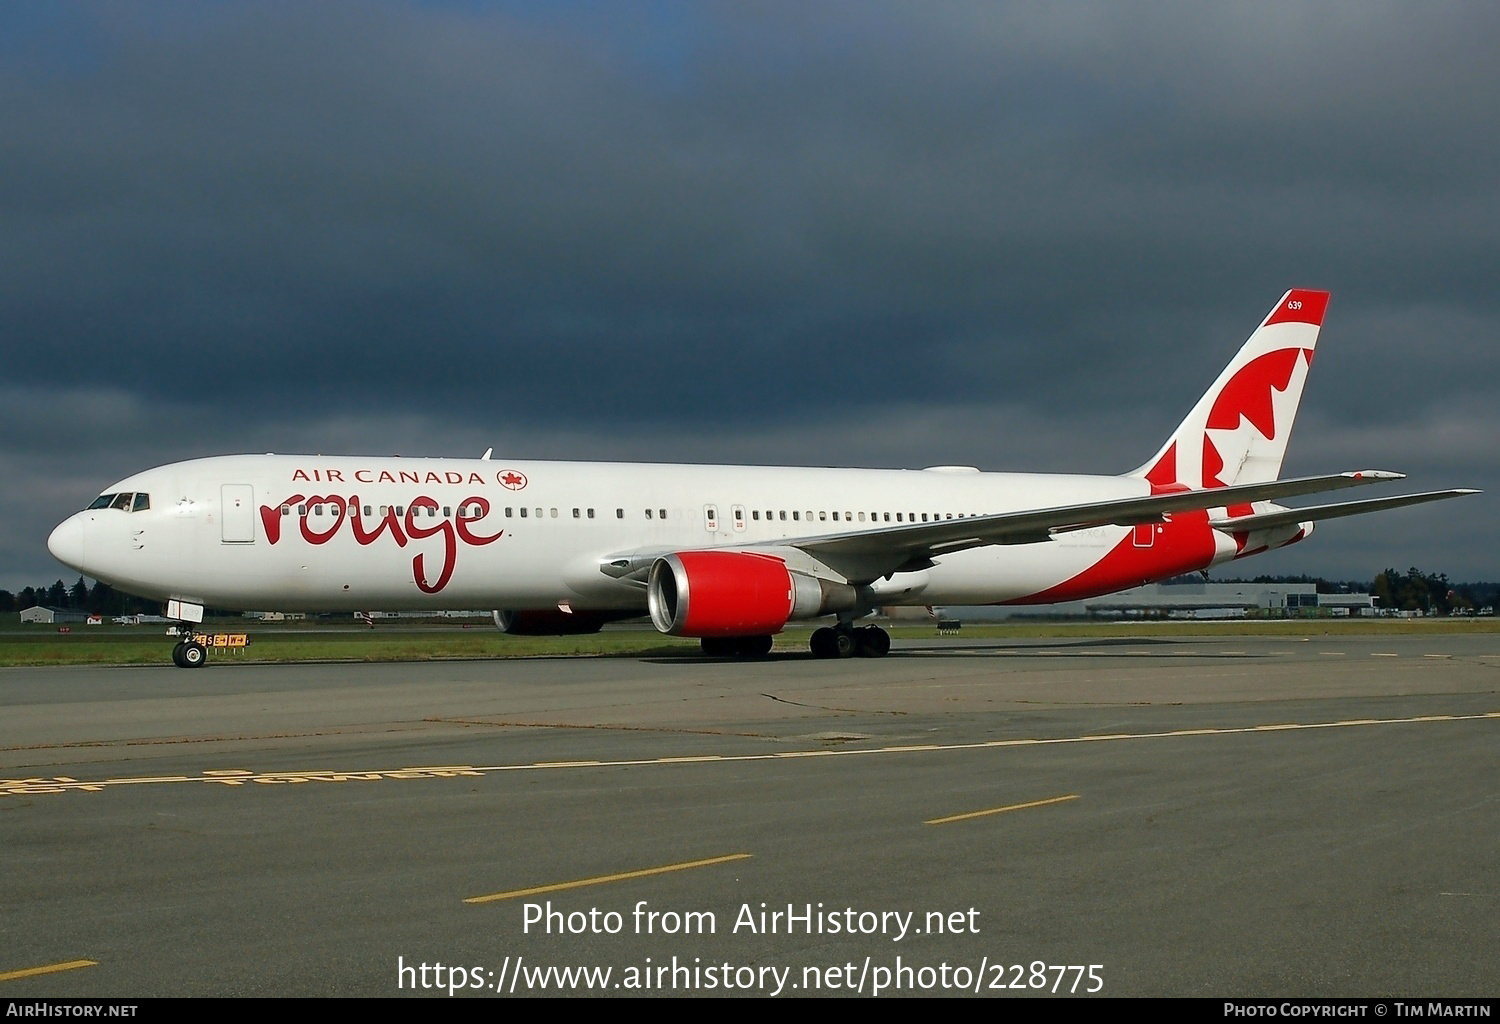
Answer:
(1186, 601)
(49, 616)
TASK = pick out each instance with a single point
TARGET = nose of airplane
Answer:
(66, 542)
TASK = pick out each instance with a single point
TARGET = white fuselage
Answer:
(322, 534)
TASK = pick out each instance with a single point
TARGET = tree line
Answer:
(99, 599)
(1412, 590)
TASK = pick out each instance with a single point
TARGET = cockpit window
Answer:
(124, 501)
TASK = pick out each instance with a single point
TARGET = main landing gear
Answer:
(845, 641)
(841, 641)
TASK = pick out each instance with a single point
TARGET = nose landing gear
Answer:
(189, 653)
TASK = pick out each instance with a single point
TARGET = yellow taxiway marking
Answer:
(604, 879)
(1000, 810)
(35, 786)
(32, 972)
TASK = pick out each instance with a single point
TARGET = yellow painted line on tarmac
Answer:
(35, 786)
(32, 972)
(605, 879)
(1000, 810)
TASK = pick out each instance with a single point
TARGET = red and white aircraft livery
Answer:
(730, 554)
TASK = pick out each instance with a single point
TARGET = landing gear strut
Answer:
(844, 640)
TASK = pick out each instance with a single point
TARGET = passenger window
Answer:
(399, 509)
(523, 511)
(577, 514)
(508, 512)
(554, 513)
(302, 510)
(755, 514)
(797, 516)
(662, 513)
(783, 517)
(619, 513)
(861, 517)
(648, 513)
(367, 510)
(591, 513)
(835, 517)
(286, 510)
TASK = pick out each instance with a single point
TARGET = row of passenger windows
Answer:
(124, 501)
(464, 511)
(476, 512)
(849, 517)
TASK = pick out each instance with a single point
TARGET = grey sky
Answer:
(1022, 236)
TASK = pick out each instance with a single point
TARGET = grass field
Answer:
(148, 645)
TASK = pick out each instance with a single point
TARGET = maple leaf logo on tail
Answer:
(1237, 432)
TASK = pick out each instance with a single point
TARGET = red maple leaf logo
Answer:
(512, 480)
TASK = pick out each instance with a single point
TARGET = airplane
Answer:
(725, 554)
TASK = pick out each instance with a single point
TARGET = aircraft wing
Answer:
(868, 555)
(863, 556)
(1314, 513)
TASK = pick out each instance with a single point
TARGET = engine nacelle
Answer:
(550, 622)
(735, 593)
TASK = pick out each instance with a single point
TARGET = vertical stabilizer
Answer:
(1237, 432)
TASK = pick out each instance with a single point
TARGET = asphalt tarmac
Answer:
(1286, 816)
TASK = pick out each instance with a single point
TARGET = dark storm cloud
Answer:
(1024, 236)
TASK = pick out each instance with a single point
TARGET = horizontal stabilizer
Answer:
(1315, 513)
